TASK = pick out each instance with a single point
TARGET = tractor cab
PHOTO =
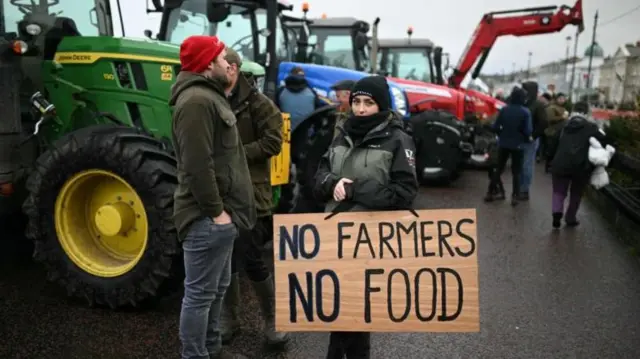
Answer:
(251, 27)
(297, 30)
(407, 58)
(340, 42)
(30, 32)
(411, 59)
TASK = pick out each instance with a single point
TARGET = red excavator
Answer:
(520, 22)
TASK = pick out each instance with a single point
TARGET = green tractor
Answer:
(85, 146)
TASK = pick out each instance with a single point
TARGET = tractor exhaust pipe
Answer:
(374, 46)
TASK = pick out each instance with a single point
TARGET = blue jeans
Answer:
(207, 263)
(528, 164)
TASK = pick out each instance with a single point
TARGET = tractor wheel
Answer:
(100, 209)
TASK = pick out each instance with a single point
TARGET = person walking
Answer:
(214, 198)
(556, 115)
(370, 166)
(260, 128)
(570, 166)
(546, 99)
(514, 128)
(539, 121)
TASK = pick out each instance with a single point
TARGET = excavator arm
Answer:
(521, 22)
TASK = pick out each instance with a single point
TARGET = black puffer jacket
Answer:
(570, 148)
(537, 108)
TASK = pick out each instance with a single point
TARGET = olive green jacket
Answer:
(260, 128)
(212, 168)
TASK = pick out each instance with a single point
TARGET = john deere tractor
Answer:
(84, 147)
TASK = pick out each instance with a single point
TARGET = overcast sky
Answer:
(450, 23)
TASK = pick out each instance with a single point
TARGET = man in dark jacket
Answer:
(539, 120)
(214, 197)
(260, 128)
(514, 128)
(570, 166)
(297, 98)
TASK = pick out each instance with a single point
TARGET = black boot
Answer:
(499, 195)
(557, 218)
(265, 292)
(514, 199)
(229, 321)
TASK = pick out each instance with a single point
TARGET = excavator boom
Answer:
(521, 22)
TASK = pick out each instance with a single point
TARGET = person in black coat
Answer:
(539, 120)
(513, 126)
(570, 167)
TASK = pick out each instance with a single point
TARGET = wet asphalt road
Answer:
(569, 294)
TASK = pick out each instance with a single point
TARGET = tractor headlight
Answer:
(33, 29)
(399, 100)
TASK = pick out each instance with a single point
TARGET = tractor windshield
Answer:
(408, 63)
(244, 30)
(82, 13)
(333, 47)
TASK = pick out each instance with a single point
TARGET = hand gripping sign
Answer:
(396, 271)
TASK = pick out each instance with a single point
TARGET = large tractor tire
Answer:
(100, 209)
(309, 141)
(441, 147)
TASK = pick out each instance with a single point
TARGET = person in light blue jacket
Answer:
(297, 98)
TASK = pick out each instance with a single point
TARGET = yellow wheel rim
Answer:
(101, 223)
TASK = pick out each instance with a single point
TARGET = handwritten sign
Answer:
(377, 271)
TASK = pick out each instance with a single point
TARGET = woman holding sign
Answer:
(370, 166)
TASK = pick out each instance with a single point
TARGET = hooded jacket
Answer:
(297, 98)
(260, 128)
(212, 168)
(381, 166)
(537, 108)
(570, 149)
(513, 124)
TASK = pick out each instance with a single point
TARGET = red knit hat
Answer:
(197, 52)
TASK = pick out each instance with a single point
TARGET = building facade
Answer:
(621, 76)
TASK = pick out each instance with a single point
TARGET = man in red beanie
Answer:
(214, 198)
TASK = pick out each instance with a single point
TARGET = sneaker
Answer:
(514, 199)
(524, 196)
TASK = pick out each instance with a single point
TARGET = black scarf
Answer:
(359, 126)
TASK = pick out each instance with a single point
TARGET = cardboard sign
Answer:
(377, 271)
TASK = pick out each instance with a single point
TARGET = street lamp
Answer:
(566, 63)
(529, 65)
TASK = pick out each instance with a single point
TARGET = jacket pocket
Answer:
(229, 133)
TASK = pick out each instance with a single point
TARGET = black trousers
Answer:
(247, 250)
(517, 157)
(349, 345)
